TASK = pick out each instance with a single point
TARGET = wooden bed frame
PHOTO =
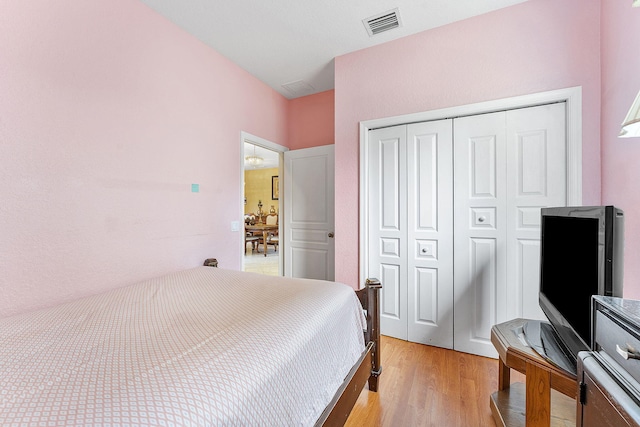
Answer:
(367, 368)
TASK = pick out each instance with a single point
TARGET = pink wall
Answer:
(108, 114)
(311, 120)
(621, 156)
(535, 46)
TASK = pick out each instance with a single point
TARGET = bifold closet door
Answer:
(480, 285)
(463, 193)
(387, 212)
(411, 229)
(430, 232)
(508, 165)
(537, 165)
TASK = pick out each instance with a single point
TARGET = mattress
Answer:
(205, 346)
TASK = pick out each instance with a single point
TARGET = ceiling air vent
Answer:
(298, 88)
(382, 22)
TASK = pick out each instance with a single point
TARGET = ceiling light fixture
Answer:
(254, 160)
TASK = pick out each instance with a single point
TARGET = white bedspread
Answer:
(201, 347)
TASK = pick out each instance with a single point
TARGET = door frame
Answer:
(264, 143)
(571, 96)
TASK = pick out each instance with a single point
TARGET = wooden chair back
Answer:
(272, 219)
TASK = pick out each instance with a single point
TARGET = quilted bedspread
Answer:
(205, 346)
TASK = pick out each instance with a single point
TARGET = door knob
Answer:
(481, 219)
(330, 234)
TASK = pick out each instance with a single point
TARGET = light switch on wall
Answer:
(235, 225)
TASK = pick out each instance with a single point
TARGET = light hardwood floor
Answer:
(428, 386)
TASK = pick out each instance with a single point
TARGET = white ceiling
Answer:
(288, 41)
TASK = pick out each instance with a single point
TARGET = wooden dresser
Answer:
(609, 376)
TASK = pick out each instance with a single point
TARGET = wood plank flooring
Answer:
(429, 386)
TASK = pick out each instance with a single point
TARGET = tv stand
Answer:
(535, 403)
(543, 339)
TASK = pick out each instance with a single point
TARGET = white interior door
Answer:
(309, 213)
(507, 166)
(411, 229)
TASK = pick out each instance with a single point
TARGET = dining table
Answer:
(265, 229)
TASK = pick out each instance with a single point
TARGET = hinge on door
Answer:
(583, 393)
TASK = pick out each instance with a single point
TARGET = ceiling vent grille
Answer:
(382, 22)
(299, 88)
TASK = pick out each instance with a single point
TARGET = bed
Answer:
(204, 346)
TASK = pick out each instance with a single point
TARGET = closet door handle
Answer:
(481, 219)
(330, 235)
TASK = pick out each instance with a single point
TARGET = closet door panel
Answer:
(480, 230)
(430, 233)
(536, 167)
(391, 302)
(482, 161)
(387, 225)
(482, 294)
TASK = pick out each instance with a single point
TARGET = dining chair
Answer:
(272, 236)
(250, 237)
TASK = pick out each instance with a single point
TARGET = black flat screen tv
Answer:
(581, 252)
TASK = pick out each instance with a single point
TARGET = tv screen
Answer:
(570, 269)
(581, 255)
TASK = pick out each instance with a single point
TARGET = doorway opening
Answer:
(261, 205)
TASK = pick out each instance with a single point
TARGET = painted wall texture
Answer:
(311, 120)
(621, 156)
(108, 114)
(535, 46)
(257, 188)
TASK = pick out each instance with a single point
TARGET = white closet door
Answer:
(388, 225)
(536, 167)
(507, 166)
(479, 195)
(430, 233)
(480, 230)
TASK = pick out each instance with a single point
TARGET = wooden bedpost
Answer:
(373, 287)
(370, 299)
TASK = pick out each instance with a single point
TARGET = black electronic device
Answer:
(581, 255)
